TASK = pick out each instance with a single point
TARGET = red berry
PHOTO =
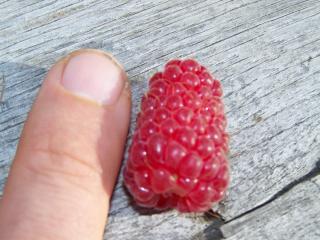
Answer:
(168, 127)
(155, 77)
(189, 79)
(202, 193)
(185, 185)
(190, 65)
(183, 205)
(162, 180)
(175, 152)
(177, 88)
(210, 169)
(174, 102)
(206, 79)
(141, 193)
(167, 201)
(178, 154)
(192, 100)
(151, 203)
(149, 102)
(173, 62)
(205, 147)
(142, 177)
(147, 129)
(156, 148)
(184, 115)
(191, 166)
(186, 136)
(161, 114)
(138, 155)
(199, 125)
(159, 87)
(172, 73)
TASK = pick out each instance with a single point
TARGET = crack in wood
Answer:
(213, 231)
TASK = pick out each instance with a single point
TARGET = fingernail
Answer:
(93, 75)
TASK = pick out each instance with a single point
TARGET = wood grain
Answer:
(267, 55)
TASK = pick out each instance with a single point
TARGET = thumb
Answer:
(69, 154)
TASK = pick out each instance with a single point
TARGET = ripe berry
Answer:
(178, 154)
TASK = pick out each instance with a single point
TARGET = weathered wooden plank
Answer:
(266, 53)
(293, 216)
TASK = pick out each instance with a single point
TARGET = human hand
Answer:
(69, 154)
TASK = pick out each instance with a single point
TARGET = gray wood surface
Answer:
(267, 55)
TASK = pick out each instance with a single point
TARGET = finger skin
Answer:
(66, 164)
